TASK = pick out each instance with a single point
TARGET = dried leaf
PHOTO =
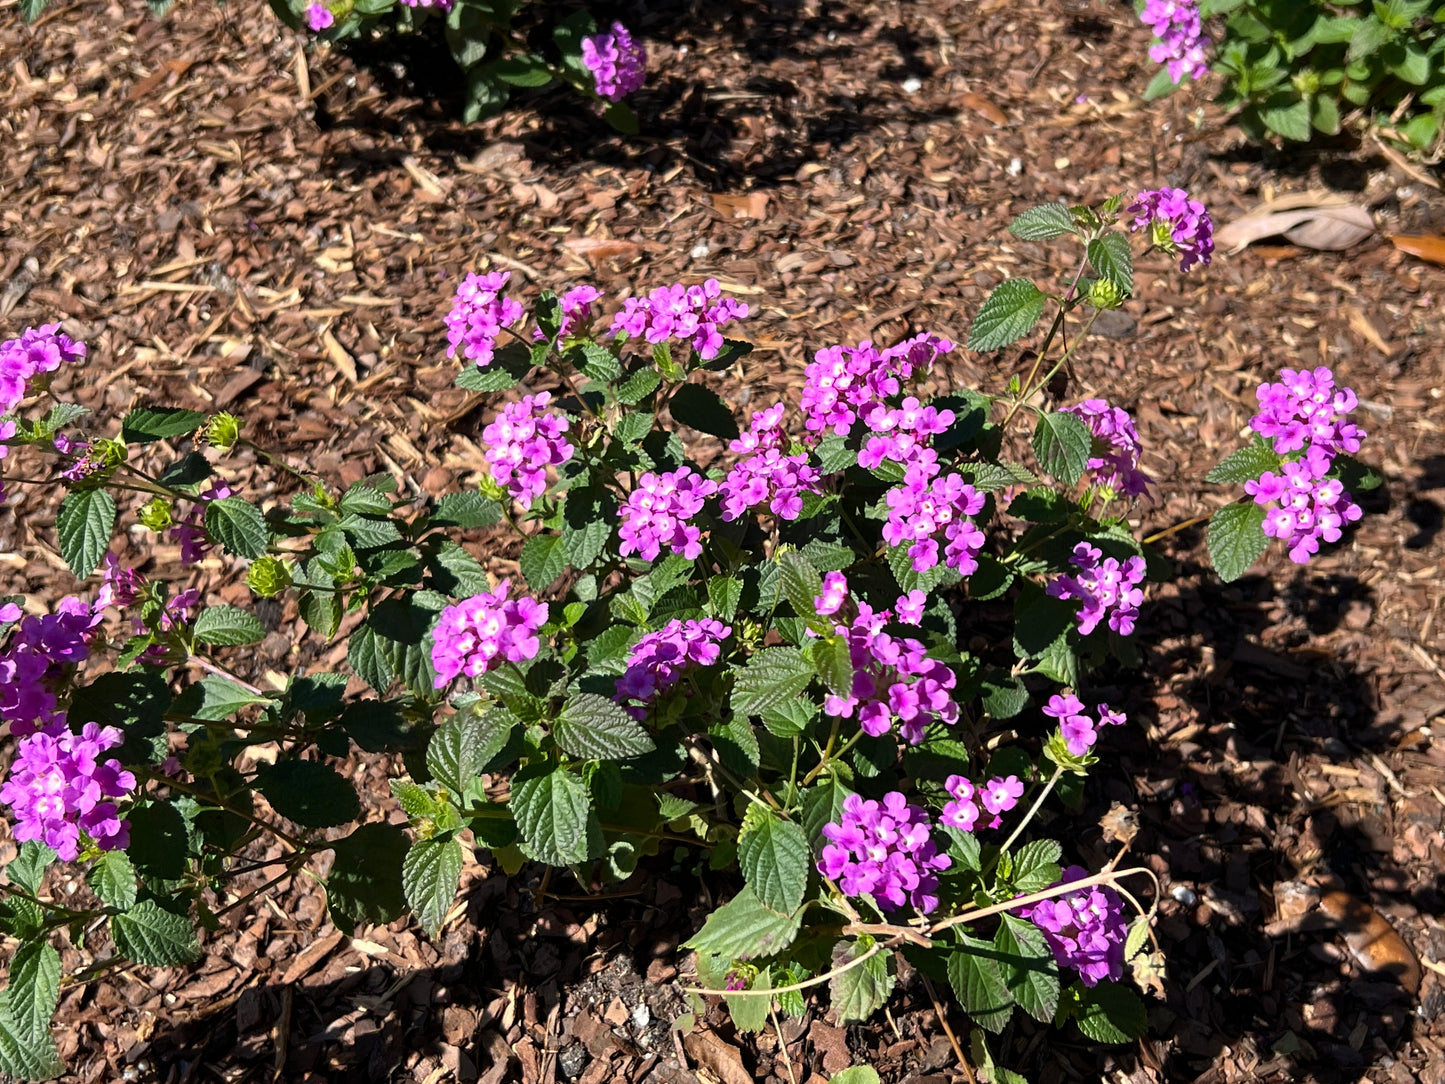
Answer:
(1149, 974)
(747, 205)
(601, 248)
(1312, 220)
(1371, 939)
(985, 108)
(1120, 824)
(717, 1057)
(1431, 249)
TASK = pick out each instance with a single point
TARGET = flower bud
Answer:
(156, 515)
(109, 453)
(492, 489)
(268, 576)
(222, 431)
(1105, 294)
(1161, 235)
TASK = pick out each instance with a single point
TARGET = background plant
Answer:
(754, 660)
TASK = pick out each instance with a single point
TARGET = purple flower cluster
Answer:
(174, 614)
(657, 513)
(767, 475)
(119, 587)
(893, 677)
(999, 795)
(479, 633)
(1177, 224)
(842, 382)
(920, 510)
(479, 315)
(319, 18)
(690, 314)
(1085, 929)
(522, 442)
(62, 791)
(884, 849)
(902, 435)
(617, 62)
(577, 314)
(190, 533)
(1307, 410)
(1304, 506)
(1118, 466)
(659, 658)
(1080, 732)
(1109, 589)
(41, 651)
(38, 350)
(1181, 43)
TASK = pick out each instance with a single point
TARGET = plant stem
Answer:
(1033, 809)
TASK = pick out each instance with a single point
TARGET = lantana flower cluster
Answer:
(617, 61)
(658, 659)
(659, 511)
(997, 796)
(690, 314)
(1181, 44)
(478, 316)
(843, 381)
(1306, 410)
(480, 633)
(61, 791)
(903, 435)
(1176, 224)
(920, 511)
(577, 313)
(884, 849)
(190, 533)
(893, 676)
(42, 650)
(522, 442)
(1079, 730)
(319, 17)
(1086, 930)
(38, 350)
(1108, 588)
(1118, 466)
(767, 475)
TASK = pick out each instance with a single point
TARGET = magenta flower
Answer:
(479, 315)
(617, 62)
(658, 513)
(1181, 44)
(7, 430)
(658, 659)
(1307, 409)
(767, 476)
(1109, 589)
(909, 607)
(443, 6)
(319, 17)
(1085, 929)
(903, 435)
(577, 314)
(1080, 732)
(1114, 435)
(522, 442)
(922, 511)
(63, 794)
(843, 382)
(1178, 224)
(120, 587)
(688, 314)
(1304, 507)
(190, 533)
(835, 593)
(1001, 794)
(38, 350)
(884, 849)
(40, 656)
(480, 633)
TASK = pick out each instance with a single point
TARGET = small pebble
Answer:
(912, 85)
(641, 1016)
(700, 250)
(1184, 894)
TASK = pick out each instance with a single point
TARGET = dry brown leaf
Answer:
(601, 248)
(1312, 220)
(1120, 824)
(746, 205)
(717, 1057)
(985, 108)
(1431, 249)
(1371, 939)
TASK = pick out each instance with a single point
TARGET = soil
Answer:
(234, 218)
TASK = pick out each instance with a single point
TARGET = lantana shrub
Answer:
(841, 652)
(1298, 69)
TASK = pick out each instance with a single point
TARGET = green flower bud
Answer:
(491, 489)
(1105, 294)
(222, 431)
(203, 760)
(268, 576)
(1161, 234)
(156, 515)
(109, 453)
(1306, 81)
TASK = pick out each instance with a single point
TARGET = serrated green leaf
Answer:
(823, 804)
(215, 697)
(1246, 464)
(1008, 315)
(365, 882)
(859, 992)
(771, 676)
(1111, 1013)
(322, 611)
(1028, 966)
(724, 593)
(228, 626)
(309, 793)
(743, 928)
(146, 424)
(149, 934)
(703, 409)
(1063, 444)
(1043, 222)
(553, 810)
(30, 998)
(1236, 539)
(1036, 866)
(27, 868)
(1112, 258)
(801, 583)
(238, 526)
(978, 984)
(595, 728)
(112, 878)
(832, 655)
(30, 11)
(543, 559)
(430, 874)
(463, 746)
(83, 528)
(773, 855)
(527, 70)
(467, 509)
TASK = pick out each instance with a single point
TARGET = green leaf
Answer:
(621, 117)
(801, 583)
(322, 611)
(523, 71)
(772, 675)
(1236, 539)
(33, 993)
(238, 526)
(228, 626)
(30, 11)
(595, 728)
(1246, 464)
(1043, 222)
(743, 928)
(83, 527)
(488, 378)
(1111, 1013)
(703, 409)
(724, 593)
(790, 718)
(1063, 444)
(1286, 113)
(978, 984)
(214, 698)
(553, 811)
(112, 878)
(824, 805)
(773, 855)
(1113, 260)
(543, 559)
(430, 874)
(832, 655)
(149, 934)
(859, 992)
(1160, 86)
(1036, 866)
(465, 744)
(147, 424)
(365, 882)
(638, 387)
(309, 793)
(751, 1013)
(1028, 968)
(27, 868)
(1370, 33)
(990, 477)
(468, 509)
(859, 1074)
(1009, 314)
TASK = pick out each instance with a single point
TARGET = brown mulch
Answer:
(233, 220)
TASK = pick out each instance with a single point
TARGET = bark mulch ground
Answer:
(233, 220)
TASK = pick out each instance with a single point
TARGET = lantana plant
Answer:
(840, 654)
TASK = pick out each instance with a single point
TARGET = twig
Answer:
(947, 1030)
